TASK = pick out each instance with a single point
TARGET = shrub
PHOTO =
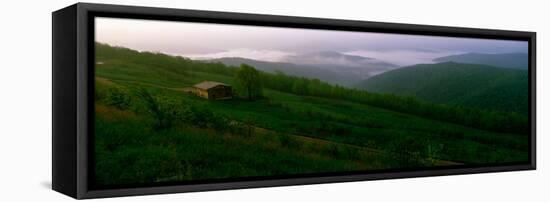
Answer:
(165, 111)
(288, 142)
(118, 97)
(204, 118)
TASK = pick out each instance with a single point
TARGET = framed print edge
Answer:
(71, 150)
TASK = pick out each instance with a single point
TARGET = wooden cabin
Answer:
(213, 90)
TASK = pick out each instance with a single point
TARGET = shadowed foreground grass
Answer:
(128, 151)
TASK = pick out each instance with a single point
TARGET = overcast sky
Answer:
(205, 40)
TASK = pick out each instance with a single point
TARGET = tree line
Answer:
(510, 122)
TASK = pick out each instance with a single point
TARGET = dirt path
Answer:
(320, 141)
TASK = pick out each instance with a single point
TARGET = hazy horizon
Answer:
(275, 44)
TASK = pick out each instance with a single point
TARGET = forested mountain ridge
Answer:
(506, 60)
(470, 85)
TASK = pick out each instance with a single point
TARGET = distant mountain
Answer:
(308, 71)
(332, 67)
(330, 57)
(358, 65)
(452, 83)
(507, 60)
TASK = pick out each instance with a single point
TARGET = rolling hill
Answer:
(150, 129)
(507, 60)
(469, 85)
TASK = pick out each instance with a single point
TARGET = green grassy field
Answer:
(148, 129)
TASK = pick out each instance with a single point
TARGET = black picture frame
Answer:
(73, 87)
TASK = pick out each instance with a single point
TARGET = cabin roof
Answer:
(205, 85)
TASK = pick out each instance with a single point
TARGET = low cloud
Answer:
(263, 55)
(403, 57)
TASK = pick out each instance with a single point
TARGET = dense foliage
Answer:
(248, 79)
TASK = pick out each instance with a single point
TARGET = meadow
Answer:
(149, 128)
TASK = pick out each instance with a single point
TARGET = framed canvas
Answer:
(157, 100)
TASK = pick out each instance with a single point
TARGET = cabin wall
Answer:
(201, 93)
(220, 92)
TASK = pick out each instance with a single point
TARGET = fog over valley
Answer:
(352, 55)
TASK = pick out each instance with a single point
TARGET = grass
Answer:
(129, 152)
(280, 134)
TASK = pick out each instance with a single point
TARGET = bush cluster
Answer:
(118, 97)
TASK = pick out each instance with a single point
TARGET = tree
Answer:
(248, 79)
(300, 86)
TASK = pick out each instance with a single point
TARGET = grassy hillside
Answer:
(149, 129)
(506, 60)
(468, 85)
